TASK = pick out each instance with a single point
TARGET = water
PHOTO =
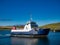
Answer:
(51, 39)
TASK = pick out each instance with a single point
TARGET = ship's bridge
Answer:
(32, 24)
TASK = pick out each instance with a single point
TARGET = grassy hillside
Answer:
(53, 26)
(5, 27)
(10, 27)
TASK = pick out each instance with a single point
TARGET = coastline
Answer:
(54, 27)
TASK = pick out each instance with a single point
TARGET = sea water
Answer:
(53, 38)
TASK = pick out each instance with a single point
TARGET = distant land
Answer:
(53, 26)
(10, 27)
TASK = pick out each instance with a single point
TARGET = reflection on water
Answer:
(29, 41)
(43, 41)
(23, 41)
(52, 39)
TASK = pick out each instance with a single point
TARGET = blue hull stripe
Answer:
(40, 32)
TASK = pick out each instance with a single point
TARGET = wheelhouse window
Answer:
(34, 25)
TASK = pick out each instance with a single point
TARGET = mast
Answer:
(31, 17)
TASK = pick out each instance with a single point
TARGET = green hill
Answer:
(53, 26)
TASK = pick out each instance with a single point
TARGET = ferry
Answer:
(31, 29)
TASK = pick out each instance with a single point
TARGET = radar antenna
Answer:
(30, 17)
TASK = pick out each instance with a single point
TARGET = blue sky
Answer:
(43, 11)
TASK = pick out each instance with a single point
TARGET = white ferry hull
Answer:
(41, 32)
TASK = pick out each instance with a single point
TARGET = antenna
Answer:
(30, 17)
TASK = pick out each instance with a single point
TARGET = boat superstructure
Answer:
(31, 28)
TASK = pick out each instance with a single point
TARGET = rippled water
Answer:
(51, 39)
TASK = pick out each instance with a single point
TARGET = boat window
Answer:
(32, 25)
